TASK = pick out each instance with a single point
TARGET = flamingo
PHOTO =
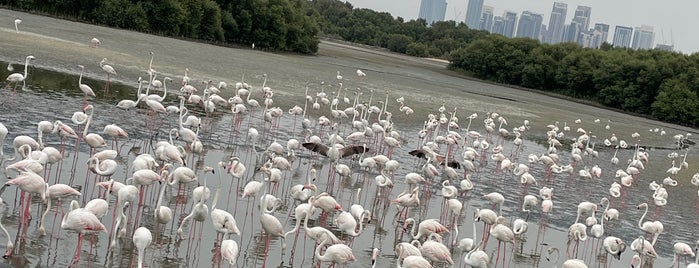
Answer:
(425, 228)
(142, 238)
(681, 249)
(476, 257)
(92, 139)
(643, 247)
(229, 251)
(572, 263)
(83, 222)
(435, 251)
(347, 223)
(337, 253)
(109, 70)
(10, 246)
(222, 220)
(577, 232)
(30, 183)
(94, 42)
(614, 246)
(58, 192)
(115, 132)
(18, 77)
(121, 217)
(17, 22)
(87, 90)
(162, 214)
(270, 224)
(503, 234)
(198, 213)
(651, 227)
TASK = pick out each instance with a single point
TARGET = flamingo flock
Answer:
(429, 182)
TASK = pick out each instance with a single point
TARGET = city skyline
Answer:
(671, 25)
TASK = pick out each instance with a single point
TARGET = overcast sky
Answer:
(673, 21)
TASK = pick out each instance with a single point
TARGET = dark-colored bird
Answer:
(332, 152)
(422, 153)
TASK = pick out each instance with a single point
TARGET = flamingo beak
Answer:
(338, 207)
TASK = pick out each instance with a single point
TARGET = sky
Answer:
(674, 21)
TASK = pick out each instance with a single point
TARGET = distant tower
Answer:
(486, 22)
(557, 23)
(643, 37)
(432, 10)
(498, 25)
(622, 36)
(580, 24)
(530, 25)
(604, 29)
(510, 23)
(473, 13)
(582, 15)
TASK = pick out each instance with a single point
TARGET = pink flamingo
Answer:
(83, 222)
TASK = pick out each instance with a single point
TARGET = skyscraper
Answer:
(643, 37)
(604, 29)
(572, 32)
(592, 38)
(582, 15)
(432, 10)
(556, 23)
(510, 20)
(498, 25)
(622, 36)
(473, 13)
(530, 25)
(580, 23)
(486, 22)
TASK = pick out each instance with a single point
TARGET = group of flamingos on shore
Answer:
(435, 242)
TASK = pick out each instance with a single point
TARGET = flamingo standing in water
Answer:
(83, 222)
(87, 90)
(18, 77)
(109, 70)
(337, 253)
(229, 251)
(142, 239)
(10, 247)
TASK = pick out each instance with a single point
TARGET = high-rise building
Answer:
(592, 38)
(486, 22)
(604, 29)
(432, 10)
(622, 36)
(582, 15)
(572, 32)
(473, 13)
(643, 37)
(556, 23)
(510, 20)
(498, 25)
(580, 23)
(530, 25)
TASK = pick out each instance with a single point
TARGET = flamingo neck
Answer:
(160, 197)
(320, 246)
(89, 121)
(26, 65)
(640, 221)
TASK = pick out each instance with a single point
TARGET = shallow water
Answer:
(54, 96)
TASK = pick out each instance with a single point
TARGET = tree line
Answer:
(654, 83)
(284, 25)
